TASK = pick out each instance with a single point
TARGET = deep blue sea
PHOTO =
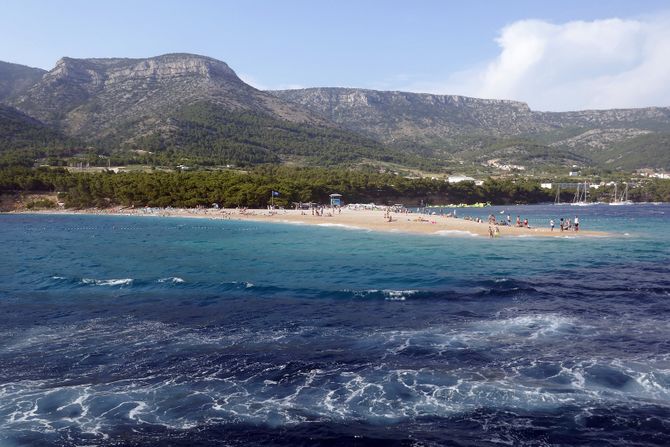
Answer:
(164, 331)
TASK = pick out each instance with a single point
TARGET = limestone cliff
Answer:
(99, 97)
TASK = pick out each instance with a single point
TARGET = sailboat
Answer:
(581, 195)
(557, 200)
(623, 199)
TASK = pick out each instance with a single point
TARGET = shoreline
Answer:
(370, 220)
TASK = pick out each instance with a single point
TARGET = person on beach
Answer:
(576, 223)
(551, 224)
(518, 221)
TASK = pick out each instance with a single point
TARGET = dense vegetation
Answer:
(23, 139)
(521, 151)
(252, 189)
(650, 150)
(201, 134)
(210, 135)
(205, 130)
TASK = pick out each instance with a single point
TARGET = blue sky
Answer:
(451, 47)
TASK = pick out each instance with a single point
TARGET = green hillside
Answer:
(212, 135)
(23, 139)
(645, 151)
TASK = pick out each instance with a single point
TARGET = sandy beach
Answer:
(363, 219)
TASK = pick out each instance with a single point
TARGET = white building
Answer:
(459, 179)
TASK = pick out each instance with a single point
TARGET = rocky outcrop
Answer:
(467, 128)
(649, 118)
(600, 139)
(402, 116)
(96, 98)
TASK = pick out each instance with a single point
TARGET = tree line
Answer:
(231, 188)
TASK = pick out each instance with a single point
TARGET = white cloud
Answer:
(611, 63)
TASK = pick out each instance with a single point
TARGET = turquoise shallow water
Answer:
(199, 332)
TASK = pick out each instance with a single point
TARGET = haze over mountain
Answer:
(16, 79)
(197, 106)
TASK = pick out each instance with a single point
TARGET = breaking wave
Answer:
(107, 282)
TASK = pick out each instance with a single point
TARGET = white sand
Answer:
(373, 220)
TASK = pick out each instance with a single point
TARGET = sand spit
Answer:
(371, 220)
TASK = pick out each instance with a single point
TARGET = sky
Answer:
(555, 56)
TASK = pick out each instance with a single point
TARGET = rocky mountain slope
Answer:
(481, 129)
(398, 117)
(16, 79)
(104, 97)
(185, 105)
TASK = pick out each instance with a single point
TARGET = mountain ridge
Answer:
(327, 99)
(126, 102)
(94, 97)
(16, 78)
(461, 126)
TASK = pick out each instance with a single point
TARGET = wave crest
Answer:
(107, 282)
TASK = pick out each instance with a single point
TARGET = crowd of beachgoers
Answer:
(494, 223)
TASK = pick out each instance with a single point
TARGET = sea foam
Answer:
(347, 227)
(460, 233)
(107, 282)
(171, 279)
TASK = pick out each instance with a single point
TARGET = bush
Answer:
(41, 204)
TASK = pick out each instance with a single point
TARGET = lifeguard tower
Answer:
(335, 199)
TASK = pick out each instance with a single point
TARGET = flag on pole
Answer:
(275, 193)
